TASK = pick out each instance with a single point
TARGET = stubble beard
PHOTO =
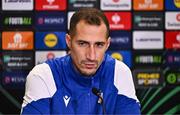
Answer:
(85, 71)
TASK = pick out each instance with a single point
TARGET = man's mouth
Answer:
(90, 65)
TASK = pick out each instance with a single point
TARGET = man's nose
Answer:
(91, 53)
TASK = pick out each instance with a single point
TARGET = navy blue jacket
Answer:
(55, 87)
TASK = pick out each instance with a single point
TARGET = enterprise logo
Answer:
(172, 40)
(148, 40)
(115, 4)
(42, 56)
(17, 40)
(119, 20)
(148, 4)
(172, 20)
(148, 59)
(55, 21)
(173, 59)
(172, 78)
(18, 21)
(17, 1)
(151, 20)
(17, 4)
(76, 4)
(50, 40)
(177, 3)
(120, 40)
(16, 60)
(172, 5)
(122, 55)
(117, 56)
(14, 79)
(147, 77)
(50, 20)
(50, 4)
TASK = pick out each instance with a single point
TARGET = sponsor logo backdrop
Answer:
(145, 35)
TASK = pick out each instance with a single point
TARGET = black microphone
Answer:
(97, 92)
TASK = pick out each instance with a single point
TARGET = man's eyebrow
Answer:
(101, 42)
(82, 41)
(97, 42)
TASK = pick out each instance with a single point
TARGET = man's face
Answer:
(87, 47)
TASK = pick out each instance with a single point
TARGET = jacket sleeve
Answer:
(127, 102)
(125, 105)
(40, 87)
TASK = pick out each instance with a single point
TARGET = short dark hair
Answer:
(91, 16)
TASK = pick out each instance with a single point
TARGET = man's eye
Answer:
(100, 45)
(82, 44)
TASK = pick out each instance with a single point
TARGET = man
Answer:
(67, 85)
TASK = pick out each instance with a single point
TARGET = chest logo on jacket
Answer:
(66, 99)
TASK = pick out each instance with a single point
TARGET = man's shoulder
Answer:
(121, 65)
(108, 60)
(58, 62)
(112, 61)
(41, 71)
(40, 68)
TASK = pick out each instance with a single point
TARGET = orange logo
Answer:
(148, 4)
(19, 40)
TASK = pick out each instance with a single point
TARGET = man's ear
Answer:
(68, 41)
